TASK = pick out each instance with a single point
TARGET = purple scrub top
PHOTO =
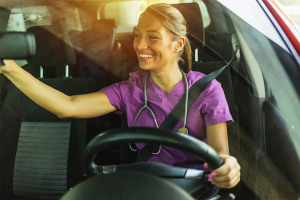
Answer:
(210, 108)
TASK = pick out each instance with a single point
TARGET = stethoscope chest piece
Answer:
(183, 130)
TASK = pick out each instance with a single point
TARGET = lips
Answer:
(145, 57)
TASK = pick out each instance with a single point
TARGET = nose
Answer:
(141, 43)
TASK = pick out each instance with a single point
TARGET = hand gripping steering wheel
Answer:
(163, 136)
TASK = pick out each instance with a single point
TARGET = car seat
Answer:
(40, 153)
(4, 16)
(93, 48)
(192, 14)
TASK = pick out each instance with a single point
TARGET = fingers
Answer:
(229, 184)
(228, 181)
(7, 65)
(205, 165)
(228, 175)
(230, 163)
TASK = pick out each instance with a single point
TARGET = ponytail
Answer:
(185, 59)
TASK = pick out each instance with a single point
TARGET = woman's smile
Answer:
(145, 57)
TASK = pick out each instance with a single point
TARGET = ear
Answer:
(179, 44)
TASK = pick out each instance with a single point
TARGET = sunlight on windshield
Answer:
(22, 18)
(127, 18)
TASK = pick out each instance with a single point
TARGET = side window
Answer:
(125, 14)
(204, 13)
(21, 18)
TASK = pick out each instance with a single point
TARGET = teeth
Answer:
(146, 56)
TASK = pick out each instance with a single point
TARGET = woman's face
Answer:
(153, 45)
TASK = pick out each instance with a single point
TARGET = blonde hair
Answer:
(176, 24)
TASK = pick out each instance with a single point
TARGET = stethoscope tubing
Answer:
(152, 113)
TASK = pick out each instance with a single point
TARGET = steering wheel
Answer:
(153, 135)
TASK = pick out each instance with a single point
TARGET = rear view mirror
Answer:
(16, 45)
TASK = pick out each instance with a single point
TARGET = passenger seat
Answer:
(41, 153)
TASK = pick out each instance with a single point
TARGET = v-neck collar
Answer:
(177, 86)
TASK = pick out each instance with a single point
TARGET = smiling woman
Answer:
(162, 49)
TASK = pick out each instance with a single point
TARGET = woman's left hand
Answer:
(226, 176)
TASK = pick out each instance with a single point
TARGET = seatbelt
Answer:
(178, 112)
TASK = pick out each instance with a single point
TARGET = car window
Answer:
(92, 41)
(21, 18)
(125, 14)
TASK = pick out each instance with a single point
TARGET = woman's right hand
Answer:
(7, 67)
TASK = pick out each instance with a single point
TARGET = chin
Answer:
(145, 66)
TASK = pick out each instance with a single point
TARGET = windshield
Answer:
(88, 45)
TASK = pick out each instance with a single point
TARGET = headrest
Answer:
(51, 51)
(96, 43)
(192, 14)
(104, 22)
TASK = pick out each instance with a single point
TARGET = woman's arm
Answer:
(228, 175)
(78, 106)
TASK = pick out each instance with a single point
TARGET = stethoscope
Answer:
(183, 129)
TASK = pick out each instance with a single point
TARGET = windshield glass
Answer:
(85, 46)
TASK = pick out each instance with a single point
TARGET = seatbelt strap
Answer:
(178, 112)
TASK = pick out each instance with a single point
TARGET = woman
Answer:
(163, 50)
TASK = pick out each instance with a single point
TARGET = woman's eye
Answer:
(153, 37)
(136, 35)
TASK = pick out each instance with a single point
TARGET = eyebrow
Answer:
(151, 31)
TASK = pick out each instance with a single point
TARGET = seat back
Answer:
(42, 154)
(4, 16)
(96, 43)
(93, 49)
(192, 14)
(19, 111)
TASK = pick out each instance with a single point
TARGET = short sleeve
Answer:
(215, 107)
(114, 95)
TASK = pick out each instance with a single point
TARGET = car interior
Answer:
(80, 50)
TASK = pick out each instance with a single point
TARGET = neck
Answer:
(167, 79)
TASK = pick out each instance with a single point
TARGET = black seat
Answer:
(4, 16)
(93, 48)
(31, 167)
